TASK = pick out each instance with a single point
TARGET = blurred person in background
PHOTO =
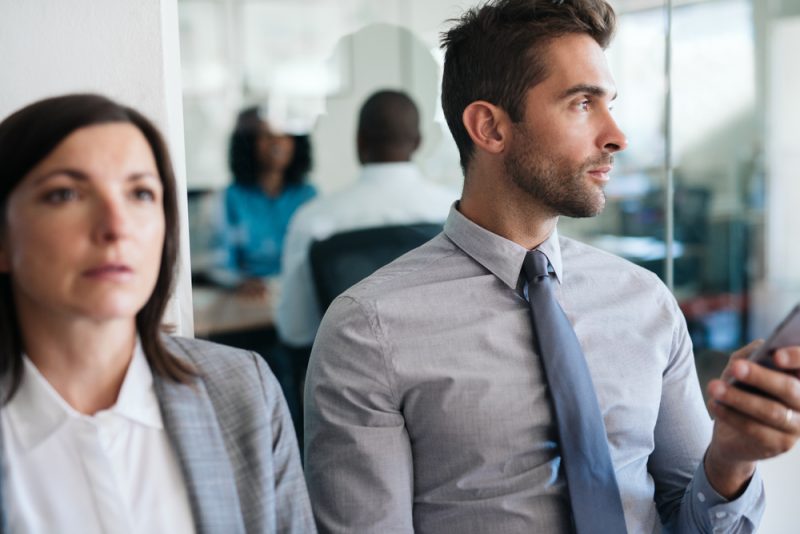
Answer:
(108, 424)
(390, 190)
(269, 170)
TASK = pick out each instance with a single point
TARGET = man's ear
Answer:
(487, 125)
(417, 142)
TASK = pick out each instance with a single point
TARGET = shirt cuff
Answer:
(722, 515)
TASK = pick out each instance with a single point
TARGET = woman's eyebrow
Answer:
(81, 176)
(75, 174)
(142, 175)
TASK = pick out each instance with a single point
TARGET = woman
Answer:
(269, 169)
(108, 425)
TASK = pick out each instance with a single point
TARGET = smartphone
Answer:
(787, 334)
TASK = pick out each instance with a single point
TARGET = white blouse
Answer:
(113, 472)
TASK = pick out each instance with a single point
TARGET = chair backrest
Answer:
(344, 259)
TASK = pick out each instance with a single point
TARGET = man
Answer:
(431, 405)
(390, 191)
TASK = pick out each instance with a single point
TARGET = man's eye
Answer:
(584, 105)
(61, 195)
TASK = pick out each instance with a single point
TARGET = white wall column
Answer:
(126, 50)
(781, 288)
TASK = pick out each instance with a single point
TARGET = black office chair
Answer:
(344, 259)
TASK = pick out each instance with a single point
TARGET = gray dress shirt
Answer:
(427, 408)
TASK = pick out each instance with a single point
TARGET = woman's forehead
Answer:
(107, 148)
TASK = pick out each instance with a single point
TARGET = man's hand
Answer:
(748, 426)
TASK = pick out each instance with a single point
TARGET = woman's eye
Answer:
(144, 194)
(60, 195)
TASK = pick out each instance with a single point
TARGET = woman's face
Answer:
(85, 228)
(275, 150)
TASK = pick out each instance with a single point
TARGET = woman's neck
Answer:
(85, 362)
(271, 182)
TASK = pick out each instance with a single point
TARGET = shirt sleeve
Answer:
(684, 498)
(705, 510)
(224, 269)
(308, 192)
(297, 314)
(358, 454)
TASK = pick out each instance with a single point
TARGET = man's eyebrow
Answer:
(585, 88)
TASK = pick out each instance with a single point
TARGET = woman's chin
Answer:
(112, 310)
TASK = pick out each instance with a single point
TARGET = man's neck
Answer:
(499, 206)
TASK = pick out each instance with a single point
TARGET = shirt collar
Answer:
(395, 171)
(137, 399)
(36, 410)
(501, 256)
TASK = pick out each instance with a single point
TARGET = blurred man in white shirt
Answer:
(389, 191)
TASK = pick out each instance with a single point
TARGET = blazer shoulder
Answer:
(222, 367)
(206, 354)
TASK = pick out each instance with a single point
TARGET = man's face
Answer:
(561, 152)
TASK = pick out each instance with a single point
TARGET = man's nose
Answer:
(614, 139)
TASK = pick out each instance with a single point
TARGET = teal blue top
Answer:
(250, 240)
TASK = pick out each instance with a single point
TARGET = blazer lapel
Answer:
(191, 424)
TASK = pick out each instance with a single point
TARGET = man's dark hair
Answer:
(494, 53)
(29, 136)
(388, 127)
(243, 157)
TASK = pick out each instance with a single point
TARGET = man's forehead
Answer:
(576, 63)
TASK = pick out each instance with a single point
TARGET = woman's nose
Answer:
(111, 220)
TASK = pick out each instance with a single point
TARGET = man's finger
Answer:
(787, 358)
(740, 354)
(761, 409)
(745, 351)
(759, 441)
(784, 387)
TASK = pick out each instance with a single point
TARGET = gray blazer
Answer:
(235, 441)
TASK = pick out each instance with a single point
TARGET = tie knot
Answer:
(535, 265)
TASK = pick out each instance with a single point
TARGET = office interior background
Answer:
(705, 196)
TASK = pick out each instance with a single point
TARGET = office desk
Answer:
(222, 311)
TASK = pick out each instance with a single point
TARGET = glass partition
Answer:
(311, 63)
(718, 226)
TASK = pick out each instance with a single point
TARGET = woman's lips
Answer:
(109, 271)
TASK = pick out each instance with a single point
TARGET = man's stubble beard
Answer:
(555, 183)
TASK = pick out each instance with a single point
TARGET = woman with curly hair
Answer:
(269, 170)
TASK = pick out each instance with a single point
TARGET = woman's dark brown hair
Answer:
(26, 138)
